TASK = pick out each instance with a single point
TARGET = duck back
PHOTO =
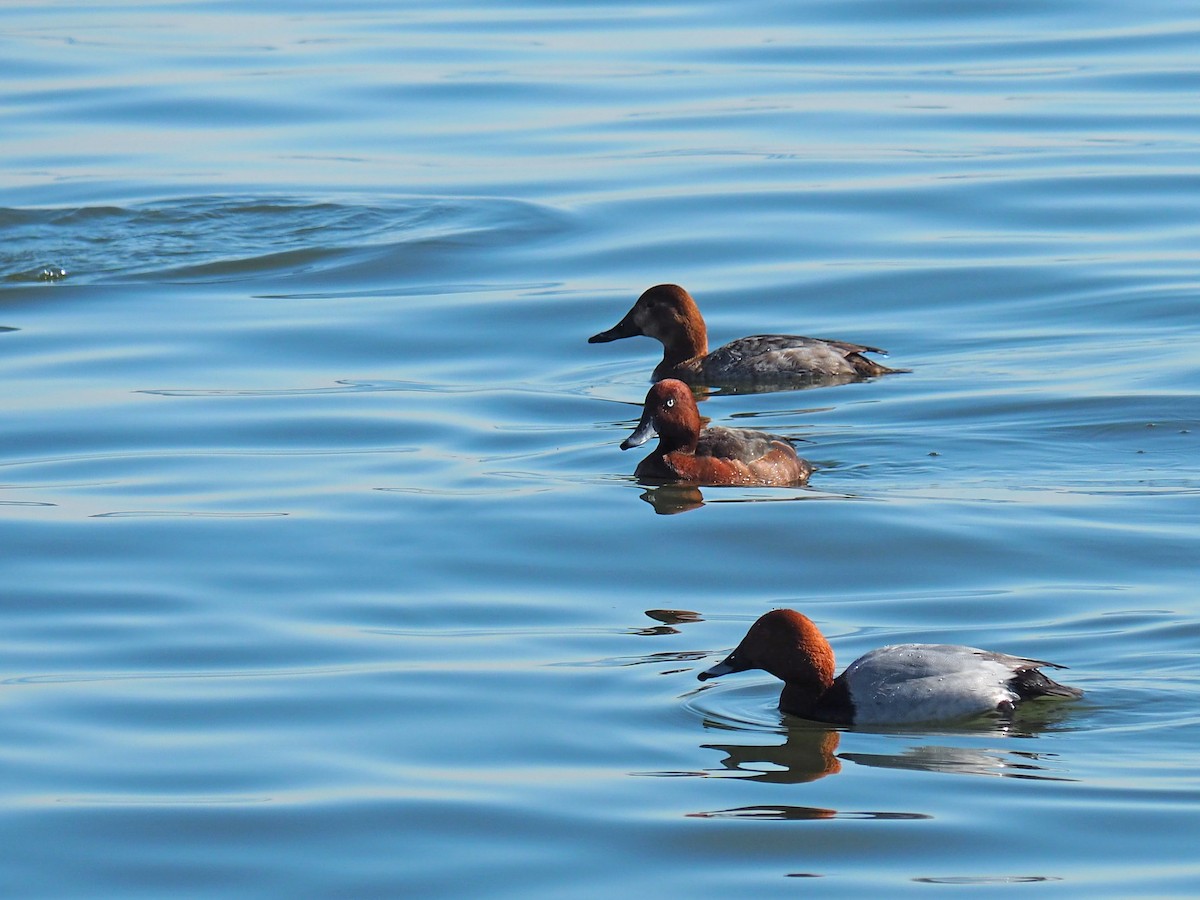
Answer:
(911, 683)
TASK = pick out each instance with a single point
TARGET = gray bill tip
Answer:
(644, 432)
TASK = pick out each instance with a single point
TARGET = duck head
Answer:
(667, 313)
(788, 645)
(670, 412)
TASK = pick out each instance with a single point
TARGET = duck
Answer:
(900, 684)
(667, 313)
(715, 456)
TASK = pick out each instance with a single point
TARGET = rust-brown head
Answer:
(788, 645)
(670, 412)
(667, 313)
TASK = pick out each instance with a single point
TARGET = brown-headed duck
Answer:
(667, 313)
(895, 685)
(714, 456)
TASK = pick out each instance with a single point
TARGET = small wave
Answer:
(782, 813)
(738, 707)
(206, 239)
(186, 514)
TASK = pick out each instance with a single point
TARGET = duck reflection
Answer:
(807, 755)
(671, 499)
(810, 753)
(770, 387)
(963, 761)
(801, 813)
(669, 618)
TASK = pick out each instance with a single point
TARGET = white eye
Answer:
(670, 402)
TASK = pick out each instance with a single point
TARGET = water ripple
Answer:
(215, 239)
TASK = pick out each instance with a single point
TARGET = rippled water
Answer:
(325, 575)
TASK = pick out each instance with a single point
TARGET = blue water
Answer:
(325, 576)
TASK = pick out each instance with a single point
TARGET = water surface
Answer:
(325, 574)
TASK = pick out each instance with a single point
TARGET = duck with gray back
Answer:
(901, 684)
(667, 313)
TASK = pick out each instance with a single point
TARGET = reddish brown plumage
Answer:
(793, 638)
(789, 646)
(715, 456)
